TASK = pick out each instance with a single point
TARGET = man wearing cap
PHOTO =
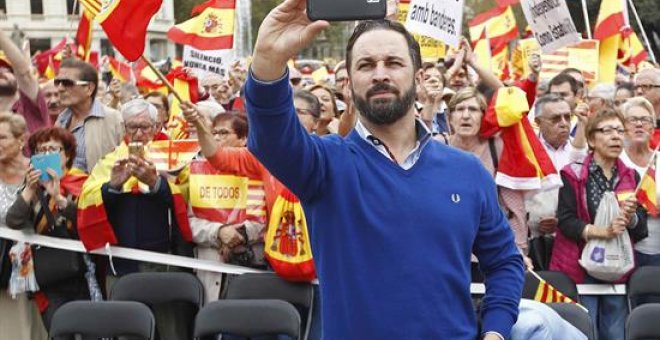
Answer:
(393, 214)
(19, 89)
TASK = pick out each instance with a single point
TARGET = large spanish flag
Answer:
(211, 29)
(84, 35)
(524, 163)
(499, 24)
(124, 22)
(93, 226)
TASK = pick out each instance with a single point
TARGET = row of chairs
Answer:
(255, 304)
(642, 283)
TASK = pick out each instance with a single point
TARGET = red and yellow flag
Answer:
(546, 293)
(172, 155)
(211, 29)
(93, 225)
(50, 71)
(646, 195)
(124, 22)
(84, 35)
(499, 24)
(524, 163)
(612, 18)
(185, 85)
(631, 50)
(120, 70)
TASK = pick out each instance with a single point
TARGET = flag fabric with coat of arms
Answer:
(211, 29)
(124, 22)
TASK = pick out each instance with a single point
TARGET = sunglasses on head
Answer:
(68, 82)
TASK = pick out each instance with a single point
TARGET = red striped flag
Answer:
(84, 35)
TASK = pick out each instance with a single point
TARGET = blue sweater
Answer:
(391, 247)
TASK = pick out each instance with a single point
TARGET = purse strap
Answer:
(45, 208)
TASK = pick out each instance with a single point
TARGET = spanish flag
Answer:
(124, 22)
(524, 163)
(84, 35)
(499, 24)
(93, 226)
(120, 70)
(186, 86)
(211, 29)
(50, 71)
(146, 78)
(646, 194)
(612, 21)
(631, 50)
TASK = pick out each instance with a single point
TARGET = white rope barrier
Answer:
(217, 267)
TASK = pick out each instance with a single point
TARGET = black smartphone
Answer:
(345, 10)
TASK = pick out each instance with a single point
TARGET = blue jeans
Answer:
(608, 313)
(537, 321)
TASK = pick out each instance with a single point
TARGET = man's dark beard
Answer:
(7, 88)
(384, 111)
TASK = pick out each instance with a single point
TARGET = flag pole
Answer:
(585, 13)
(168, 85)
(641, 28)
(648, 166)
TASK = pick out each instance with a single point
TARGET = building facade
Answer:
(46, 22)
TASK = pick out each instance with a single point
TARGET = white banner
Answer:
(438, 19)
(551, 23)
(204, 62)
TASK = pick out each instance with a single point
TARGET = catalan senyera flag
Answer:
(646, 195)
(120, 70)
(93, 226)
(84, 35)
(524, 163)
(546, 293)
(124, 22)
(172, 155)
(211, 29)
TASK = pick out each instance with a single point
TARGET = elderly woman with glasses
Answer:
(640, 122)
(49, 208)
(585, 182)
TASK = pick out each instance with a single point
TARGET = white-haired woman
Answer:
(640, 118)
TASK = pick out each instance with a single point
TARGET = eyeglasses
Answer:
(44, 149)
(646, 120)
(646, 87)
(558, 118)
(610, 130)
(68, 82)
(222, 132)
(132, 129)
(295, 81)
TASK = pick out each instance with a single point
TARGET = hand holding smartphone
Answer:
(345, 10)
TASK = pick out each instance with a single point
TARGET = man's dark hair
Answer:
(311, 99)
(86, 70)
(563, 78)
(372, 25)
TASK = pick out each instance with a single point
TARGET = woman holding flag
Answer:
(585, 183)
(638, 154)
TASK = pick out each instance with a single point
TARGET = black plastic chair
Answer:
(104, 319)
(576, 316)
(559, 280)
(643, 322)
(247, 318)
(159, 288)
(643, 283)
(270, 286)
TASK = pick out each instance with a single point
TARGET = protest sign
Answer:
(211, 61)
(438, 19)
(551, 23)
(582, 56)
(431, 49)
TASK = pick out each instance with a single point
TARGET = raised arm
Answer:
(276, 137)
(27, 82)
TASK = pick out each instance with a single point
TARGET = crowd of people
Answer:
(378, 155)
